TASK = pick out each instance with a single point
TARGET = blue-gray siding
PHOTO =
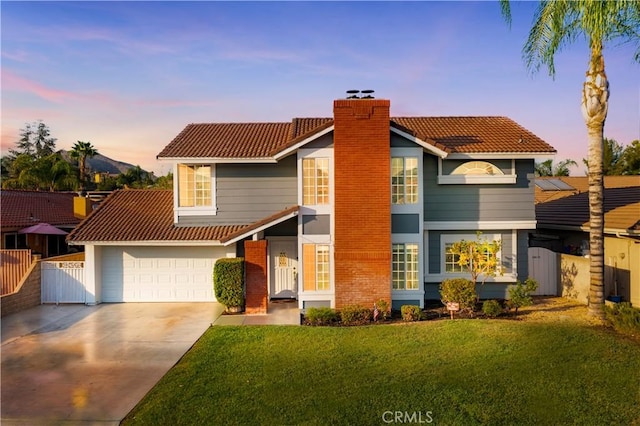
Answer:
(246, 193)
(486, 202)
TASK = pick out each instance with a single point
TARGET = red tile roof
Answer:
(19, 209)
(260, 140)
(475, 134)
(147, 215)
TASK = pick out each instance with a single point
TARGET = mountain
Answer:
(101, 163)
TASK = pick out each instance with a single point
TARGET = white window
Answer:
(405, 266)
(194, 185)
(404, 180)
(476, 172)
(316, 266)
(477, 168)
(450, 260)
(315, 181)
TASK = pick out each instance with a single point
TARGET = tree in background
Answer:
(165, 182)
(612, 152)
(35, 141)
(557, 24)
(546, 168)
(631, 159)
(81, 151)
(50, 173)
(135, 177)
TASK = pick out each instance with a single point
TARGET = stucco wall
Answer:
(27, 295)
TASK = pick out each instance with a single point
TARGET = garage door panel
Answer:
(159, 274)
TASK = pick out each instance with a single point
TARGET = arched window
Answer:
(477, 168)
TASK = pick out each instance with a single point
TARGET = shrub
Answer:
(384, 312)
(228, 281)
(321, 316)
(624, 317)
(459, 290)
(355, 315)
(520, 294)
(410, 313)
(491, 308)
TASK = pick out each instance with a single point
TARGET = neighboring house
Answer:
(562, 212)
(329, 211)
(22, 209)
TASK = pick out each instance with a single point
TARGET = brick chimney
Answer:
(362, 241)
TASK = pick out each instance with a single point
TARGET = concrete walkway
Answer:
(279, 313)
(76, 364)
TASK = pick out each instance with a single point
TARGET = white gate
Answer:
(543, 267)
(63, 282)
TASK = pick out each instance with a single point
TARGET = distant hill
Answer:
(100, 163)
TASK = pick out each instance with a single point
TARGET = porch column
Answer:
(255, 263)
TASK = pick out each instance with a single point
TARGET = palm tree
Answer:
(612, 163)
(557, 23)
(546, 168)
(81, 151)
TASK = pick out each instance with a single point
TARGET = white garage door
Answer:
(159, 274)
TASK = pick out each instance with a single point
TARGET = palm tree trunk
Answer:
(595, 95)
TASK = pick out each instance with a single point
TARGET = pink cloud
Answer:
(11, 81)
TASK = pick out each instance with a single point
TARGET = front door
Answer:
(284, 268)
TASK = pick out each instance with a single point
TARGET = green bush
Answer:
(228, 281)
(384, 313)
(410, 313)
(322, 316)
(624, 317)
(355, 315)
(520, 294)
(491, 308)
(459, 290)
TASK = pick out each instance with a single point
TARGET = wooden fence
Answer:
(13, 265)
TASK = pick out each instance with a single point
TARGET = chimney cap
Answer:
(353, 94)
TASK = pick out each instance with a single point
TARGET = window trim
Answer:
(417, 265)
(450, 179)
(195, 210)
(329, 251)
(452, 238)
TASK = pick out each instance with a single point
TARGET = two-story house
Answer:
(329, 211)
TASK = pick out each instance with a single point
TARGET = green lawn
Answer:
(459, 372)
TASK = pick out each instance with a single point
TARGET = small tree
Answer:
(520, 294)
(479, 258)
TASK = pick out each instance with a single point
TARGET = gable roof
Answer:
(20, 209)
(462, 135)
(571, 211)
(135, 215)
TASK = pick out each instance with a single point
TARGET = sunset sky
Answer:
(128, 76)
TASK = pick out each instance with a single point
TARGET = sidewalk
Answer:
(279, 313)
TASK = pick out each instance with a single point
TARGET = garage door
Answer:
(159, 274)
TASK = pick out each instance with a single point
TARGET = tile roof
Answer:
(145, 215)
(475, 134)
(621, 205)
(19, 209)
(581, 184)
(256, 225)
(260, 140)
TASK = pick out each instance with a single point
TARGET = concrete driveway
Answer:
(92, 364)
